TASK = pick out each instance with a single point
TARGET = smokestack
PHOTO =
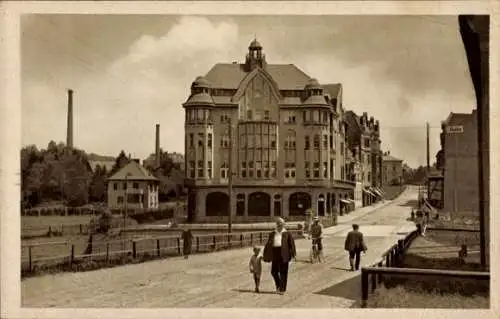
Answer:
(69, 133)
(157, 149)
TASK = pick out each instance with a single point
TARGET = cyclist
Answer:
(317, 234)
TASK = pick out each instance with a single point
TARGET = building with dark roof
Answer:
(286, 137)
(136, 185)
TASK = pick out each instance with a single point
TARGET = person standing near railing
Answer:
(355, 244)
(187, 242)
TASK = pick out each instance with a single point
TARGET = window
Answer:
(325, 117)
(125, 185)
(209, 140)
(115, 186)
(306, 145)
(342, 148)
(266, 115)
(250, 169)
(224, 171)
(290, 140)
(209, 169)
(120, 200)
(325, 142)
(290, 170)
(224, 141)
(316, 142)
(224, 118)
(135, 185)
(367, 142)
(304, 116)
(273, 169)
(290, 119)
(325, 169)
(331, 141)
(200, 169)
(191, 169)
(266, 169)
(201, 139)
(258, 168)
(243, 169)
(308, 172)
(249, 115)
(316, 170)
(191, 140)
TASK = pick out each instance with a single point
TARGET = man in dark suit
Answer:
(355, 244)
(279, 250)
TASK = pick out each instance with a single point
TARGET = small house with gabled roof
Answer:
(133, 187)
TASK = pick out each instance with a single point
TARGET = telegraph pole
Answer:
(230, 178)
(126, 200)
(428, 165)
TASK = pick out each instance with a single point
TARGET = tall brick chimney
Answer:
(69, 133)
(157, 146)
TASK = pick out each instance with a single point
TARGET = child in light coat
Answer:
(255, 266)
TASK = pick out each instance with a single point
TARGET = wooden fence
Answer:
(65, 254)
(376, 274)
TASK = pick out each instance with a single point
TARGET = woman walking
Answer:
(279, 250)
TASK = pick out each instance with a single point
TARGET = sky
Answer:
(130, 72)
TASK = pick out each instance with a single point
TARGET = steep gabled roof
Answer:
(332, 89)
(133, 171)
(230, 75)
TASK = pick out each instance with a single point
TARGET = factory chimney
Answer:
(157, 146)
(69, 133)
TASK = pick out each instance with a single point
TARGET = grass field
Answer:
(46, 221)
(401, 297)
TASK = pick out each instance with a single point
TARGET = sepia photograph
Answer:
(254, 161)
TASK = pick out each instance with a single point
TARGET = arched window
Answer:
(277, 205)
(217, 204)
(306, 142)
(290, 142)
(298, 203)
(259, 204)
(240, 204)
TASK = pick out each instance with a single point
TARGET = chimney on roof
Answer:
(157, 148)
(69, 132)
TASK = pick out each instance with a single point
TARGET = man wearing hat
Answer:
(279, 250)
(317, 233)
(355, 244)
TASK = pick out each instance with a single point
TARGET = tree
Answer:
(120, 162)
(98, 185)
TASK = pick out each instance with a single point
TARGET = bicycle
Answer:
(315, 254)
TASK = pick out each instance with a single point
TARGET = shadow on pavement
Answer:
(253, 292)
(340, 268)
(348, 289)
(410, 203)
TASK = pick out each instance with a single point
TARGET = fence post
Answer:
(241, 240)
(72, 255)
(380, 275)
(198, 244)
(134, 250)
(179, 246)
(374, 282)
(107, 253)
(364, 287)
(29, 258)
(158, 247)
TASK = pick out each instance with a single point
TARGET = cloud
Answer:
(119, 108)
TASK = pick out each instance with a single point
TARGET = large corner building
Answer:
(286, 136)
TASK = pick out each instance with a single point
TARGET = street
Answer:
(222, 279)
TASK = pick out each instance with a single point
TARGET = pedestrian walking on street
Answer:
(187, 239)
(355, 244)
(279, 250)
(255, 265)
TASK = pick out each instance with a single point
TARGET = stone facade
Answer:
(286, 136)
(392, 170)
